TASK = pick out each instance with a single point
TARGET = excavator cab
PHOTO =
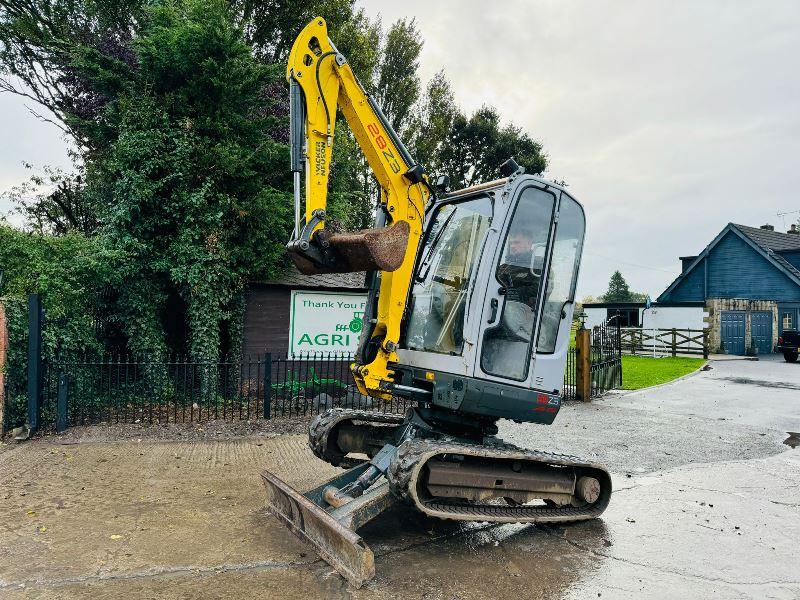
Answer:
(489, 313)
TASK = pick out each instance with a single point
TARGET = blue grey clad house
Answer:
(749, 281)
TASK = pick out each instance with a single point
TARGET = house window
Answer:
(787, 321)
(628, 317)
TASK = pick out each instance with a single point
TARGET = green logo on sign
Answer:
(357, 323)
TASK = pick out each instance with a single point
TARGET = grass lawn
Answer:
(642, 371)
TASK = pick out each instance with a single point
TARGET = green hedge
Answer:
(68, 272)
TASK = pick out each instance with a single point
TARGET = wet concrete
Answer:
(703, 507)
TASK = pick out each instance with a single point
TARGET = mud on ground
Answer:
(705, 506)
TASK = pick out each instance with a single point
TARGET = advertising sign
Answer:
(325, 322)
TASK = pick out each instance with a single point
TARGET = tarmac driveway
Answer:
(763, 393)
(706, 504)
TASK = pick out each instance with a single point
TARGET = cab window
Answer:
(448, 261)
(563, 272)
(507, 346)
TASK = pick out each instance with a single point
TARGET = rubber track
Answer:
(321, 426)
(407, 465)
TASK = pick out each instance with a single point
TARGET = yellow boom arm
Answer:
(321, 81)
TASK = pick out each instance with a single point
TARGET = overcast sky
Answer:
(667, 119)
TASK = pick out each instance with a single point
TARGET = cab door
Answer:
(514, 294)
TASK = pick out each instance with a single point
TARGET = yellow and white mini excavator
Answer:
(471, 295)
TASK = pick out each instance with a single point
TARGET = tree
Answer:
(197, 183)
(72, 58)
(618, 290)
(49, 51)
(398, 84)
(476, 146)
(54, 203)
(270, 26)
(432, 122)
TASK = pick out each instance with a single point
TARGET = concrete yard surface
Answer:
(702, 508)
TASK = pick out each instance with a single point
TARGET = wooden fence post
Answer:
(705, 344)
(583, 365)
(3, 357)
(674, 342)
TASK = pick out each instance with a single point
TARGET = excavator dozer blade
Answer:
(331, 532)
(379, 249)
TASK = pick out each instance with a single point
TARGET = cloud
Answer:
(25, 139)
(668, 120)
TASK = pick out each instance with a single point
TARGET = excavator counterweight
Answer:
(468, 315)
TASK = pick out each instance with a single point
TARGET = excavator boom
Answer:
(321, 81)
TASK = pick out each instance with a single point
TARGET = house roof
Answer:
(294, 278)
(765, 242)
(774, 240)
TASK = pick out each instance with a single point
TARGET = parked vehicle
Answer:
(789, 344)
(445, 278)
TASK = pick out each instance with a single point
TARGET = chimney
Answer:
(686, 261)
(768, 227)
(793, 229)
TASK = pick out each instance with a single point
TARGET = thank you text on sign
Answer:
(325, 322)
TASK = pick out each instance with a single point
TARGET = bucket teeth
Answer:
(380, 249)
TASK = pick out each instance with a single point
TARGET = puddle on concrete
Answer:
(762, 383)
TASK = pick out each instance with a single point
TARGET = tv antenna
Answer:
(783, 214)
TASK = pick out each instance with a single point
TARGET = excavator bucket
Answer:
(331, 531)
(379, 249)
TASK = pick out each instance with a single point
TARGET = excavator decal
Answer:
(382, 145)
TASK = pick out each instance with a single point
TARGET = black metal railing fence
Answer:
(152, 389)
(606, 358)
(570, 376)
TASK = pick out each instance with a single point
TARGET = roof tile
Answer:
(771, 240)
